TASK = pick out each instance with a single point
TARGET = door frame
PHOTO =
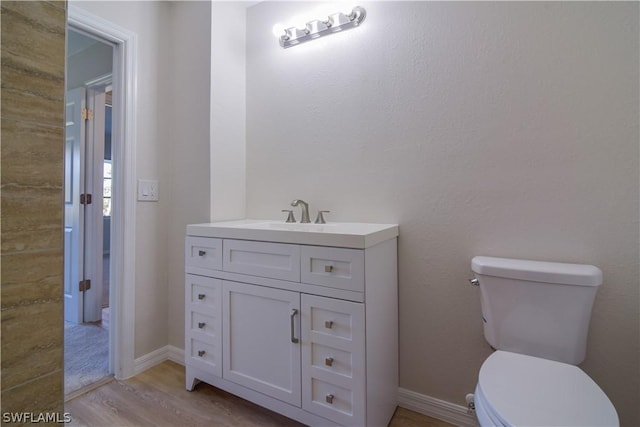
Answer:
(122, 269)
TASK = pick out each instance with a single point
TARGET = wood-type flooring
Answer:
(157, 397)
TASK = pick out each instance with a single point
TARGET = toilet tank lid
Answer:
(538, 271)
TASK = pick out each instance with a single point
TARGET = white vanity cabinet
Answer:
(307, 331)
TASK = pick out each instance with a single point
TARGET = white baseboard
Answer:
(436, 408)
(176, 355)
(149, 360)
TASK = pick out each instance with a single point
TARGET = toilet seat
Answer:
(485, 412)
(519, 390)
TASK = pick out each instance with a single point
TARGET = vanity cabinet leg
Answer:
(191, 381)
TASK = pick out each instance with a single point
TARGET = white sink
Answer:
(339, 234)
(289, 226)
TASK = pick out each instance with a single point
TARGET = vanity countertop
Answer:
(338, 234)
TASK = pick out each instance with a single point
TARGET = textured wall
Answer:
(33, 54)
(482, 128)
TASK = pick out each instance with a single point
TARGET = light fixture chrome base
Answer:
(315, 29)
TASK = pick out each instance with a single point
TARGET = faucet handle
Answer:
(320, 217)
(290, 217)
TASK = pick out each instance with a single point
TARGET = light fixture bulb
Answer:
(338, 19)
(316, 27)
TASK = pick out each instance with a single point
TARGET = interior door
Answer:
(84, 156)
(93, 225)
(73, 213)
(261, 347)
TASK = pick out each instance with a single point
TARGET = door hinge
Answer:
(85, 199)
(87, 114)
(85, 285)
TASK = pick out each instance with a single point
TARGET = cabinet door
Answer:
(333, 359)
(261, 339)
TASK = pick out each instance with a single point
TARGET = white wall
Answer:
(228, 107)
(505, 129)
(148, 20)
(209, 111)
(172, 145)
(188, 84)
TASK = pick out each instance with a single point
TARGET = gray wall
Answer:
(172, 145)
(505, 129)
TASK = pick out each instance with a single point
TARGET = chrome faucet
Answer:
(305, 210)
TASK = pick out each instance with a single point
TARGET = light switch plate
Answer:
(147, 190)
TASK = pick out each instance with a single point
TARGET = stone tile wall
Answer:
(31, 174)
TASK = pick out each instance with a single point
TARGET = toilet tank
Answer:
(537, 308)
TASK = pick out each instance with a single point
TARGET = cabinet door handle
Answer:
(293, 315)
(202, 253)
(201, 353)
(328, 268)
(329, 398)
(201, 325)
(328, 324)
(328, 361)
(201, 296)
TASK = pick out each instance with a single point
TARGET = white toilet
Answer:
(536, 315)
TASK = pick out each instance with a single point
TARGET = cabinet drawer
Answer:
(203, 324)
(204, 355)
(203, 294)
(333, 267)
(335, 403)
(273, 260)
(330, 359)
(337, 319)
(203, 252)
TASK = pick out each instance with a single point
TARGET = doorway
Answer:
(123, 207)
(88, 179)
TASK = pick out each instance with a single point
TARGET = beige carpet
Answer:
(86, 355)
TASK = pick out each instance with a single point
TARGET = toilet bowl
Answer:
(519, 390)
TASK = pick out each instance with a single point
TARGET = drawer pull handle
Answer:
(201, 296)
(201, 325)
(328, 324)
(202, 253)
(329, 398)
(201, 353)
(328, 361)
(328, 268)
(293, 315)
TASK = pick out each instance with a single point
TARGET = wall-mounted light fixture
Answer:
(336, 22)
